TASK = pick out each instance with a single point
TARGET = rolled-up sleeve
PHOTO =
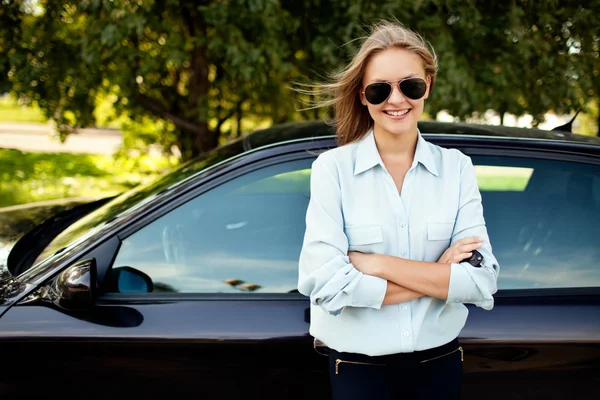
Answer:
(469, 284)
(325, 272)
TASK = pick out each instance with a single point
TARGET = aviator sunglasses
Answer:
(378, 92)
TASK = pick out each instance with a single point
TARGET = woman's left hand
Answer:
(366, 263)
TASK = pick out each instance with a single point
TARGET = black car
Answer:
(187, 286)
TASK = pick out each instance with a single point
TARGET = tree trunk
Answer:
(502, 117)
(202, 138)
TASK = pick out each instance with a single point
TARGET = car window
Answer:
(543, 219)
(242, 236)
(131, 200)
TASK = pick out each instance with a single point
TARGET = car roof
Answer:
(321, 129)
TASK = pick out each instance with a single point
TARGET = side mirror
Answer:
(127, 280)
(75, 288)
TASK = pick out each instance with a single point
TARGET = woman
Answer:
(390, 220)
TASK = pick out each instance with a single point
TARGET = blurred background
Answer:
(97, 96)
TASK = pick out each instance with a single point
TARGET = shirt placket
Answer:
(405, 309)
(401, 206)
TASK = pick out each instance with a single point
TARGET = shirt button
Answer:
(402, 224)
(405, 307)
(406, 333)
(403, 252)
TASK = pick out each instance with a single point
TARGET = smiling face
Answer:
(398, 115)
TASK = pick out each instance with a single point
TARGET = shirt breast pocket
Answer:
(439, 236)
(365, 239)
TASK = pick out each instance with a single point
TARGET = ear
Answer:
(363, 100)
(428, 80)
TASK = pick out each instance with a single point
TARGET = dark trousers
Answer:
(421, 375)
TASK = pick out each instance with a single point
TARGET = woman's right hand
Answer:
(460, 250)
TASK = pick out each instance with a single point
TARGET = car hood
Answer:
(16, 221)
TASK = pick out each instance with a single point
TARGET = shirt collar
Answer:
(367, 155)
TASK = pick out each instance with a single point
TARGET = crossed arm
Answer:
(408, 280)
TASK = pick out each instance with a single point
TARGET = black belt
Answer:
(415, 357)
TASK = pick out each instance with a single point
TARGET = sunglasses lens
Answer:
(413, 88)
(377, 93)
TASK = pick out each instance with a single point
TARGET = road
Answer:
(39, 138)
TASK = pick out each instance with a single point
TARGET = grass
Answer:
(11, 111)
(29, 177)
(500, 178)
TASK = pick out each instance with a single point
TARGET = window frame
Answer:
(528, 150)
(302, 149)
(185, 197)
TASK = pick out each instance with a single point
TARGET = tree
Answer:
(192, 63)
(518, 57)
(515, 57)
(202, 68)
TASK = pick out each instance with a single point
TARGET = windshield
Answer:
(135, 198)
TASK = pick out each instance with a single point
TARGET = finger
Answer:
(464, 241)
(461, 242)
(459, 257)
(469, 240)
(469, 247)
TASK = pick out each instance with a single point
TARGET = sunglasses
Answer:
(378, 92)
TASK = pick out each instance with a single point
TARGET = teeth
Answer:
(397, 113)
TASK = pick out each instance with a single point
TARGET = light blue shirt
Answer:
(355, 206)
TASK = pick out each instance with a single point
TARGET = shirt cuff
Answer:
(460, 287)
(369, 292)
(463, 287)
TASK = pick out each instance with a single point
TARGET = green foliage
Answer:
(588, 122)
(28, 177)
(201, 72)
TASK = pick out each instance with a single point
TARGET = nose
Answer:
(396, 96)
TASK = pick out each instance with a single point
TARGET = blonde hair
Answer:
(352, 120)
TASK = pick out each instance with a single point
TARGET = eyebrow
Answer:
(384, 80)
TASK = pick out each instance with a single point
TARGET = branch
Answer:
(230, 114)
(159, 108)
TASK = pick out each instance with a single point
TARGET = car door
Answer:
(223, 318)
(542, 210)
